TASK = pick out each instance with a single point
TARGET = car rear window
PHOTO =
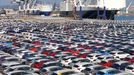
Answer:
(87, 65)
(99, 68)
(100, 73)
(20, 73)
(55, 69)
(67, 73)
(113, 72)
(131, 68)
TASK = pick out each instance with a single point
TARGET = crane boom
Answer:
(129, 6)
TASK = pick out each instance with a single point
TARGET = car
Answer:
(95, 68)
(68, 72)
(79, 67)
(93, 56)
(109, 71)
(121, 65)
(67, 60)
(130, 59)
(19, 67)
(19, 72)
(119, 54)
(50, 70)
(130, 69)
(9, 64)
(51, 63)
(80, 60)
(39, 62)
(103, 58)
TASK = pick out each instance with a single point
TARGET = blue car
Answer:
(109, 71)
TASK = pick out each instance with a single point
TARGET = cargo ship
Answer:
(90, 8)
(44, 9)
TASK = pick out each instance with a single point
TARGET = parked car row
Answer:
(74, 48)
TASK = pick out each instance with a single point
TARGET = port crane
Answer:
(129, 6)
(25, 5)
(77, 3)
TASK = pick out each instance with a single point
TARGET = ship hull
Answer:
(92, 14)
(45, 13)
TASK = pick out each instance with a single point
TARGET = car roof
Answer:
(50, 67)
(107, 69)
(82, 63)
(12, 57)
(64, 70)
(124, 73)
(120, 62)
(10, 63)
(132, 65)
(78, 59)
(9, 73)
(79, 73)
(50, 62)
(17, 66)
(94, 66)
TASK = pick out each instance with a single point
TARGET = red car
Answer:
(82, 55)
(130, 59)
(37, 43)
(49, 53)
(46, 52)
(38, 64)
(108, 63)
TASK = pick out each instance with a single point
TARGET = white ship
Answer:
(90, 7)
(45, 9)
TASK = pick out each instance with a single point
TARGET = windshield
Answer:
(12, 60)
(131, 68)
(84, 60)
(67, 73)
(121, 53)
(99, 68)
(55, 69)
(24, 68)
(125, 64)
(21, 73)
(113, 71)
(87, 65)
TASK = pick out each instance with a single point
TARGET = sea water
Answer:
(123, 17)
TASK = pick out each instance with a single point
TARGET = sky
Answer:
(8, 2)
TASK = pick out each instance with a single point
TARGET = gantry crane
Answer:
(75, 5)
(129, 6)
(25, 5)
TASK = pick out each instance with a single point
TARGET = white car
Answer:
(67, 60)
(119, 54)
(20, 72)
(19, 67)
(93, 56)
(9, 64)
(68, 72)
(103, 58)
(12, 59)
(130, 69)
(79, 67)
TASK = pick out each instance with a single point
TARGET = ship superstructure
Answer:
(90, 7)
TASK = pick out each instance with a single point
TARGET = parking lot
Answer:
(88, 47)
